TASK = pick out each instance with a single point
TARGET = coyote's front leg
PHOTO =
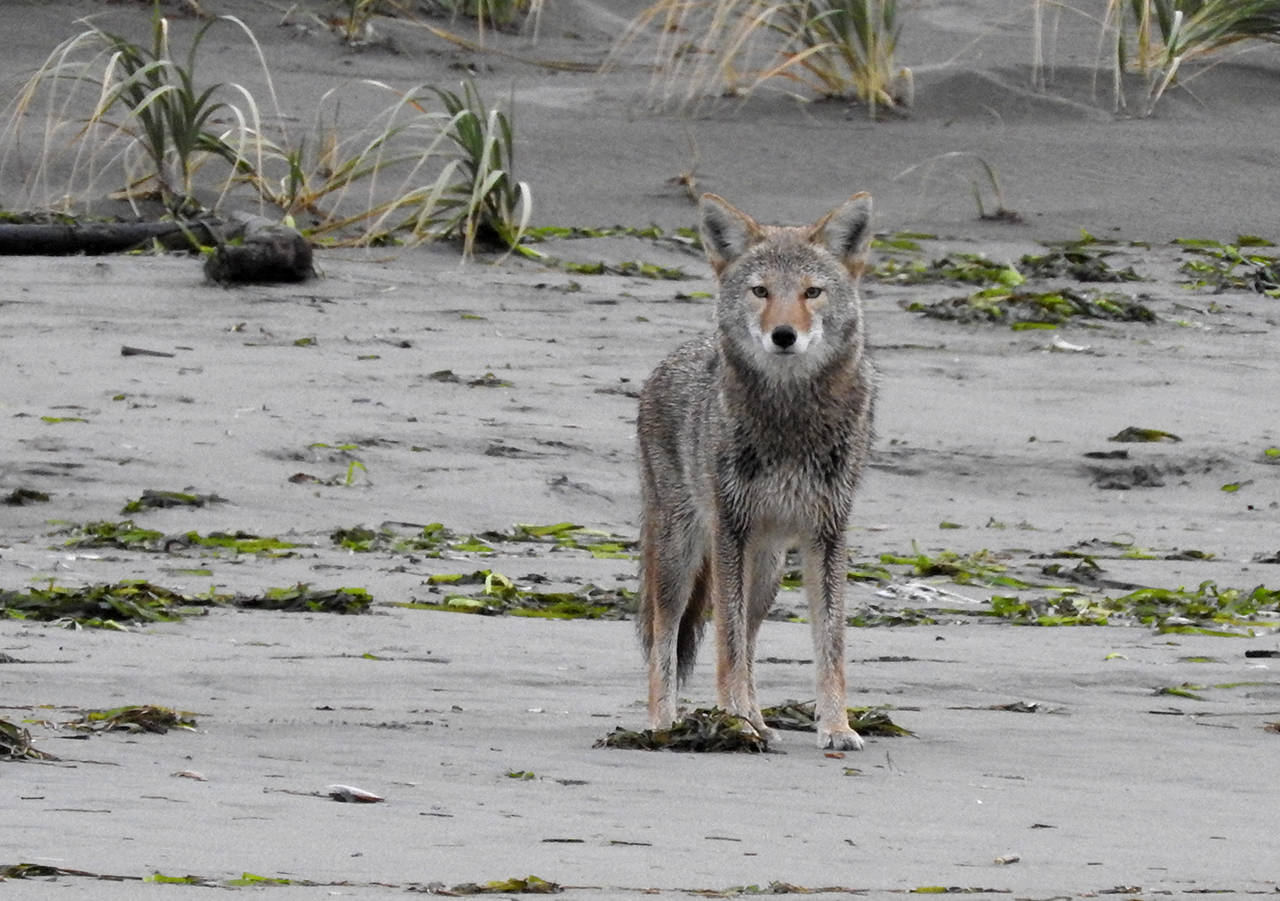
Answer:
(738, 614)
(824, 580)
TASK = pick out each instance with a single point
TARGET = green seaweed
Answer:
(604, 545)
(1185, 690)
(1023, 309)
(872, 616)
(123, 535)
(528, 885)
(1076, 263)
(961, 268)
(1232, 267)
(980, 566)
(501, 596)
(1205, 610)
(20, 497)
(153, 499)
(303, 598)
(702, 731)
(113, 605)
(800, 716)
(126, 535)
(1136, 434)
(435, 538)
(104, 606)
(15, 744)
(134, 718)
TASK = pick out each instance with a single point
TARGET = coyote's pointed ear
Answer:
(726, 231)
(846, 232)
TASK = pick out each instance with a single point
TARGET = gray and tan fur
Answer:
(752, 442)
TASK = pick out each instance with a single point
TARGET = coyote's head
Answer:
(789, 292)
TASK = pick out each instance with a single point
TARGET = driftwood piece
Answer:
(93, 238)
(269, 252)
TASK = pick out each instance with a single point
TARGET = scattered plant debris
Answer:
(126, 535)
(113, 605)
(99, 606)
(1185, 690)
(1135, 434)
(961, 268)
(152, 499)
(20, 497)
(134, 718)
(500, 595)
(980, 566)
(15, 744)
(1232, 267)
(1078, 264)
(305, 599)
(1024, 309)
(529, 885)
(701, 730)
(801, 716)
(1206, 610)
(434, 538)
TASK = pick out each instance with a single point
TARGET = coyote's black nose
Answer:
(783, 336)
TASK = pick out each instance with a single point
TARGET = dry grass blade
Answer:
(831, 48)
(1156, 38)
(113, 108)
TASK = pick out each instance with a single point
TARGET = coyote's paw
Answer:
(769, 736)
(755, 722)
(840, 740)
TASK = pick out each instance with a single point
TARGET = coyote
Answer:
(751, 442)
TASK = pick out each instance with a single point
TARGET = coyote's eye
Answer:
(760, 291)
(812, 291)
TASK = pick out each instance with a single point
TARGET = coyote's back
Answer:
(752, 441)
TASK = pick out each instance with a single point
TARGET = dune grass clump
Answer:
(1156, 38)
(839, 49)
(485, 204)
(109, 113)
(138, 112)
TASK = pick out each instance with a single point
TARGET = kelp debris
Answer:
(801, 716)
(153, 499)
(15, 744)
(20, 497)
(1138, 434)
(99, 606)
(1208, 609)
(134, 718)
(702, 731)
(500, 595)
(1078, 264)
(962, 268)
(1027, 309)
(528, 885)
(113, 605)
(433, 538)
(126, 535)
(1232, 267)
(305, 599)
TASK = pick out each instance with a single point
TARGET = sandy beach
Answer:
(403, 387)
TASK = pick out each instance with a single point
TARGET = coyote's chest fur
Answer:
(788, 451)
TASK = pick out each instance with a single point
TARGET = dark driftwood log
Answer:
(35, 239)
(270, 252)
